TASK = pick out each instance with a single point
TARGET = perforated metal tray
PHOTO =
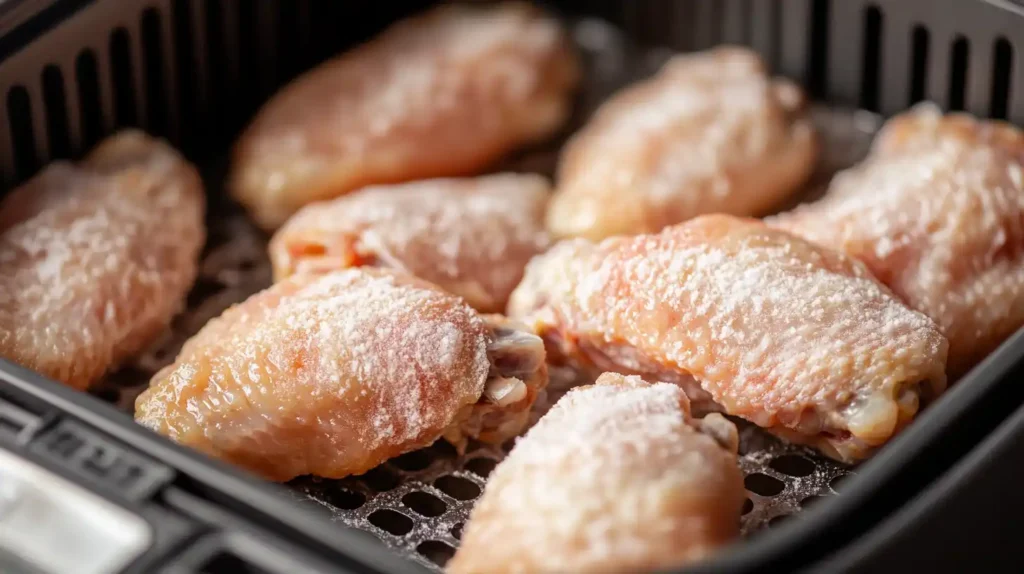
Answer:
(418, 503)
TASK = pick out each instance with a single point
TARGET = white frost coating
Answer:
(396, 357)
(711, 132)
(772, 328)
(327, 375)
(471, 236)
(96, 258)
(937, 213)
(445, 93)
(614, 477)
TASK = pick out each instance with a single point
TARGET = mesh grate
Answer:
(417, 503)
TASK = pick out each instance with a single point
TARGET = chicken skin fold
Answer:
(332, 374)
(749, 320)
(473, 236)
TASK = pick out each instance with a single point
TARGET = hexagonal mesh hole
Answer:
(381, 479)
(388, 520)
(458, 488)
(436, 551)
(424, 504)
(763, 484)
(812, 500)
(748, 505)
(481, 467)
(837, 481)
(793, 465)
(416, 460)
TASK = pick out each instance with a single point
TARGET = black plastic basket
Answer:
(73, 71)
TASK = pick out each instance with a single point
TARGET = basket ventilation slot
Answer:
(918, 64)
(89, 98)
(906, 56)
(55, 103)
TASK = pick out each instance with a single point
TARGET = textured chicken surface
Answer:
(710, 133)
(472, 237)
(615, 478)
(332, 374)
(937, 213)
(751, 320)
(443, 94)
(96, 258)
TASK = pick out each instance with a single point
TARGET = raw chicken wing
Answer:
(472, 237)
(711, 132)
(798, 339)
(443, 94)
(937, 213)
(96, 258)
(615, 478)
(333, 374)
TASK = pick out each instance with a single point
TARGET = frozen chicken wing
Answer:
(710, 133)
(937, 213)
(472, 236)
(332, 374)
(615, 478)
(97, 257)
(753, 321)
(442, 94)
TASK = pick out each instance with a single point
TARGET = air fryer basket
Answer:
(195, 71)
